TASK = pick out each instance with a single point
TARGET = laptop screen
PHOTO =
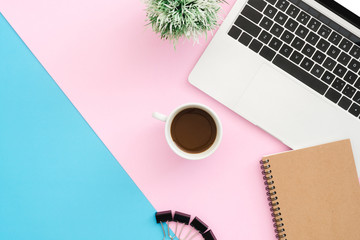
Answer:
(347, 9)
(351, 5)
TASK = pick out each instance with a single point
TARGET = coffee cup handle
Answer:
(159, 116)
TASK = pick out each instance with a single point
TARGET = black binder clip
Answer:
(198, 225)
(164, 217)
(183, 218)
(209, 235)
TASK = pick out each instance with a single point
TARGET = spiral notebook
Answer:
(314, 193)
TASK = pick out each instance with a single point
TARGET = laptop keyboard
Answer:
(306, 44)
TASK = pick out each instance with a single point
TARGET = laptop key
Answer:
(286, 50)
(275, 43)
(257, 4)
(287, 37)
(234, 32)
(357, 97)
(282, 5)
(338, 84)
(350, 77)
(296, 57)
(245, 39)
(319, 57)
(340, 70)
(280, 18)
(300, 74)
(308, 50)
(270, 11)
(293, 11)
(335, 38)
(355, 110)
(298, 43)
(247, 26)
(302, 31)
(355, 52)
(328, 77)
(324, 31)
(314, 24)
(307, 64)
(317, 70)
(344, 58)
(333, 95)
(255, 45)
(349, 91)
(323, 45)
(354, 65)
(345, 45)
(265, 37)
(251, 14)
(291, 24)
(333, 52)
(312, 38)
(266, 23)
(345, 103)
(329, 64)
(303, 17)
(277, 30)
(357, 84)
(267, 53)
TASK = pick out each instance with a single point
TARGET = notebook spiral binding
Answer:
(272, 198)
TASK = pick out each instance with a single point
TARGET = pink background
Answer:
(117, 72)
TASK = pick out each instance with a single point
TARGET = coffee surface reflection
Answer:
(193, 130)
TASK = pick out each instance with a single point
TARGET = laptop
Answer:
(290, 67)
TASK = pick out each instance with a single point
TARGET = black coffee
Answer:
(193, 130)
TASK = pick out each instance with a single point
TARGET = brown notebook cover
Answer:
(314, 193)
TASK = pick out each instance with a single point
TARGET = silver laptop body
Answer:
(269, 96)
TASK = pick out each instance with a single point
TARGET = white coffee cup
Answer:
(169, 119)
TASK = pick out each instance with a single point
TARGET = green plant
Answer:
(174, 19)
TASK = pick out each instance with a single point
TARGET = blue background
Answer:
(57, 179)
